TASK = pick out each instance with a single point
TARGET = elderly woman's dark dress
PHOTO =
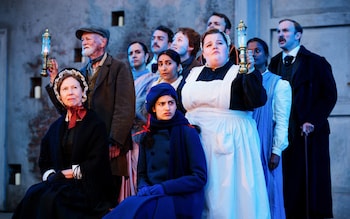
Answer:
(86, 145)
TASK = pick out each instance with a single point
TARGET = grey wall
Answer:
(25, 21)
(24, 119)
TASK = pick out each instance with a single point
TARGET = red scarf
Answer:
(145, 128)
(78, 113)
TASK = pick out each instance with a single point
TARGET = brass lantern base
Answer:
(242, 61)
(44, 67)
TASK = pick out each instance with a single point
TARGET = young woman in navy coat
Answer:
(172, 168)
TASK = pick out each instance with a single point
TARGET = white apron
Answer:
(236, 185)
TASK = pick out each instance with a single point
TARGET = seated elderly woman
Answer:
(172, 169)
(74, 160)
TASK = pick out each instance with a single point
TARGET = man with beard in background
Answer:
(111, 95)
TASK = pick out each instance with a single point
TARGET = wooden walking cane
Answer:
(306, 175)
(306, 130)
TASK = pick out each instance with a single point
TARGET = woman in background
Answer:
(138, 57)
(169, 68)
(272, 120)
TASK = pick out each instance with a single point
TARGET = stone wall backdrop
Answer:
(22, 22)
(25, 21)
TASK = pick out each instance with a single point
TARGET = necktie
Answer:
(288, 60)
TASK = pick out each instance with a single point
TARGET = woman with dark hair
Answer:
(169, 68)
(138, 57)
(221, 101)
(172, 169)
(74, 160)
(272, 121)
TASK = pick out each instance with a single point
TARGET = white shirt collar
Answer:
(293, 52)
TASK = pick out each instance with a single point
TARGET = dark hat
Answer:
(157, 91)
(101, 31)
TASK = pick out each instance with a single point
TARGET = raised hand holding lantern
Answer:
(45, 50)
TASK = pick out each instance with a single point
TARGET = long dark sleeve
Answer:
(247, 92)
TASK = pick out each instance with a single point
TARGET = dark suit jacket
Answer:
(89, 197)
(313, 86)
(314, 95)
(113, 99)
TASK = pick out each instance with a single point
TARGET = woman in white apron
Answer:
(220, 101)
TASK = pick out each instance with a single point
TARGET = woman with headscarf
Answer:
(74, 160)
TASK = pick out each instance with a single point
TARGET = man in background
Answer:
(161, 40)
(111, 95)
(221, 22)
(306, 161)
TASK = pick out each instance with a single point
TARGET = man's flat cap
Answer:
(101, 31)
